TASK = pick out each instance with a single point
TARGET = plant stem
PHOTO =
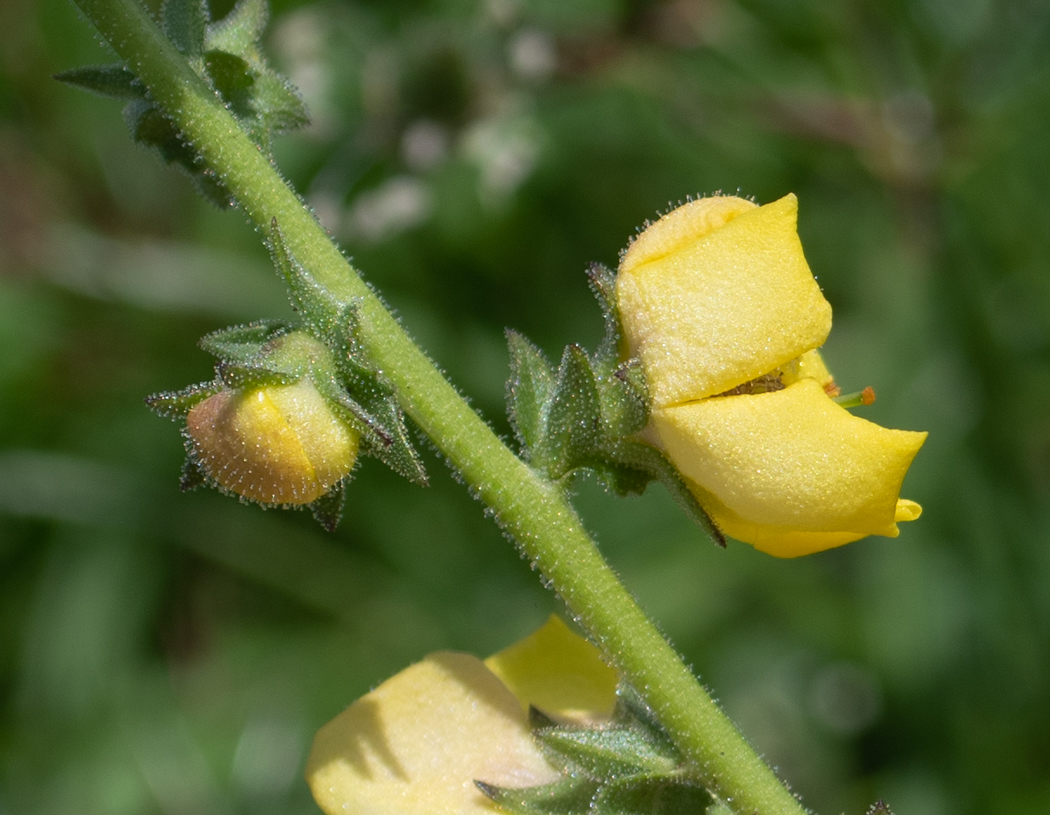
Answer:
(533, 510)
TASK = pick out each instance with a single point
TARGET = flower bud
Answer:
(718, 302)
(275, 444)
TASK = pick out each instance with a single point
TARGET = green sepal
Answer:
(632, 744)
(176, 404)
(574, 429)
(650, 796)
(192, 476)
(320, 312)
(609, 752)
(114, 81)
(569, 796)
(627, 766)
(241, 376)
(634, 457)
(602, 281)
(387, 438)
(588, 416)
(328, 509)
(185, 23)
(243, 343)
(529, 390)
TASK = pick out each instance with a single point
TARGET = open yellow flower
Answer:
(416, 744)
(718, 302)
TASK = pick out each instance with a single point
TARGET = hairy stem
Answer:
(533, 510)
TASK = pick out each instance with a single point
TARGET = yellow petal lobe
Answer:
(718, 295)
(415, 745)
(558, 672)
(790, 471)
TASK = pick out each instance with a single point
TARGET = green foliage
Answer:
(227, 56)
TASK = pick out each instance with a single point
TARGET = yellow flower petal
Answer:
(275, 444)
(790, 471)
(717, 293)
(558, 672)
(416, 744)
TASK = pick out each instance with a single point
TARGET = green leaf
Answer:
(529, 389)
(650, 796)
(573, 418)
(570, 796)
(609, 752)
(113, 81)
(243, 343)
(234, 79)
(176, 404)
(185, 23)
(240, 31)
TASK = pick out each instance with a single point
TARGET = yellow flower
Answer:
(276, 444)
(718, 302)
(416, 744)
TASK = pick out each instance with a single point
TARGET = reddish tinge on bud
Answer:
(276, 444)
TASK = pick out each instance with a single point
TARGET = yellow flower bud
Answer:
(718, 302)
(276, 444)
(416, 744)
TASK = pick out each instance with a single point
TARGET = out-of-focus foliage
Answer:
(169, 653)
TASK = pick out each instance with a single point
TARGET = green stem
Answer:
(533, 510)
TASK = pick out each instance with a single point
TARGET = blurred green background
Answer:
(173, 653)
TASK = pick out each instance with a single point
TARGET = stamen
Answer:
(852, 400)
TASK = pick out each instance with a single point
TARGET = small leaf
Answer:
(573, 423)
(240, 31)
(570, 796)
(650, 797)
(176, 404)
(528, 391)
(243, 343)
(113, 81)
(185, 22)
